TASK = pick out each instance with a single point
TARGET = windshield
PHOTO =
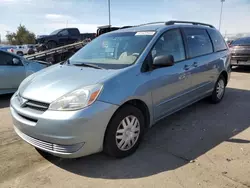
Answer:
(242, 41)
(55, 32)
(113, 50)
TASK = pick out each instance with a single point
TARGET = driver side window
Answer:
(7, 59)
(170, 43)
(64, 33)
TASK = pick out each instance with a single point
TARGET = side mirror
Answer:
(16, 61)
(163, 61)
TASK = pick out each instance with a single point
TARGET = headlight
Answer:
(77, 99)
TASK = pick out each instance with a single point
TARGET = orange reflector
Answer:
(93, 97)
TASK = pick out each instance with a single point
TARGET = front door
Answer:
(63, 37)
(169, 85)
(11, 75)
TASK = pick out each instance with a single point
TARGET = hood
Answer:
(41, 36)
(57, 80)
(34, 66)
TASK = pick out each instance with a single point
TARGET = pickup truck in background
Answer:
(62, 37)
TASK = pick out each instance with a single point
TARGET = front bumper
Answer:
(66, 134)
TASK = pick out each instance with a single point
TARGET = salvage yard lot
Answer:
(203, 145)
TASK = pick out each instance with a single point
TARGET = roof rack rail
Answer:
(150, 23)
(172, 22)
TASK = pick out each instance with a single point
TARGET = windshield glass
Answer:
(114, 50)
(242, 41)
(55, 32)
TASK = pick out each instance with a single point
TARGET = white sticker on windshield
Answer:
(145, 33)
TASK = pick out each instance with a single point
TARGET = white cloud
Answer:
(4, 29)
(57, 17)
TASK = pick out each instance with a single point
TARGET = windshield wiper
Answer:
(89, 65)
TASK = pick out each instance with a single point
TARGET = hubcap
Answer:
(220, 88)
(127, 133)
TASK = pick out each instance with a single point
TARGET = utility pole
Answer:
(109, 12)
(222, 1)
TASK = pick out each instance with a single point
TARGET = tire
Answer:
(217, 97)
(20, 53)
(51, 45)
(30, 52)
(129, 137)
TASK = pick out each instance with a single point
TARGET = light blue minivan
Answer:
(106, 95)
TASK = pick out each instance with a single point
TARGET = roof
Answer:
(156, 26)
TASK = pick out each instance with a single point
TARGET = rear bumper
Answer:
(240, 60)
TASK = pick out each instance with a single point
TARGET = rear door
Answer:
(202, 61)
(10, 75)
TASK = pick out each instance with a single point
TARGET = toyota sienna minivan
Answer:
(107, 94)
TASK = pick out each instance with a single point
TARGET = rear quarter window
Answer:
(74, 32)
(218, 41)
(198, 42)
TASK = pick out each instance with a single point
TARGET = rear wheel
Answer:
(51, 44)
(19, 53)
(124, 132)
(219, 90)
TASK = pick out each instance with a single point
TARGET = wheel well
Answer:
(51, 41)
(141, 106)
(224, 74)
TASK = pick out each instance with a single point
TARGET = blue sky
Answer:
(44, 16)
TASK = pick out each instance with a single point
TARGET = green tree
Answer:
(22, 36)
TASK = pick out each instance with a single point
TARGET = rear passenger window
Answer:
(74, 32)
(218, 41)
(170, 43)
(198, 42)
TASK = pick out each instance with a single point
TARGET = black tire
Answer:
(110, 142)
(214, 98)
(30, 52)
(51, 44)
(19, 53)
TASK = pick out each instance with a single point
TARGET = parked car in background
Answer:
(14, 69)
(6, 47)
(107, 28)
(123, 82)
(62, 37)
(240, 52)
(21, 50)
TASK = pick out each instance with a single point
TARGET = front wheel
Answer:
(124, 132)
(219, 90)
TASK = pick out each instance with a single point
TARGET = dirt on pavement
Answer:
(203, 145)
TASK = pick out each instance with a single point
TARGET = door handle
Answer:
(186, 67)
(195, 64)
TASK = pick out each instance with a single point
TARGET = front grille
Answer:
(49, 146)
(28, 118)
(36, 105)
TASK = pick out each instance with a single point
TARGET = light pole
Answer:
(222, 1)
(109, 12)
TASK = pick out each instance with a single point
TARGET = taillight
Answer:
(12, 50)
